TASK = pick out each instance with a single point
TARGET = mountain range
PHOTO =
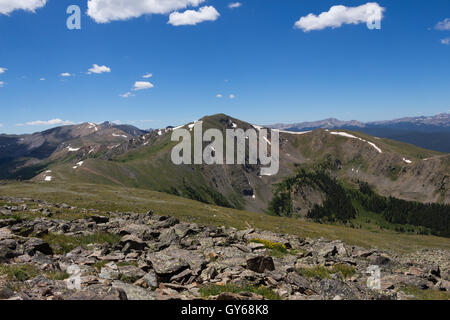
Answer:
(21, 152)
(427, 132)
(126, 156)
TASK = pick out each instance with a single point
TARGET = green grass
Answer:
(426, 294)
(276, 249)
(127, 263)
(19, 272)
(62, 244)
(214, 290)
(57, 275)
(59, 214)
(374, 222)
(100, 264)
(24, 272)
(321, 272)
(128, 279)
(270, 244)
(120, 199)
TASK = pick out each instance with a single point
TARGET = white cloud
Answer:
(219, 96)
(446, 41)
(104, 11)
(3, 70)
(147, 76)
(339, 15)
(66, 74)
(232, 96)
(1, 84)
(142, 85)
(192, 17)
(98, 69)
(8, 6)
(234, 5)
(42, 79)
(126, 95)
(443, 25)
(47, 123)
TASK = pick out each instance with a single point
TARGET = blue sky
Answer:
(275, 71)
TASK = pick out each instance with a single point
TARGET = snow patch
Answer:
(344, 134)
(293, 132)
(72, 149)
(347, 135)
(120, 135)
(79, 164)
(48, 178)
(179, 127)
(407, 161)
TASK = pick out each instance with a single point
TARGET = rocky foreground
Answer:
(46, 255)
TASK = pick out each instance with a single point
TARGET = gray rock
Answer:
(150, 280)
(132, 242)
(167, 238)
(130, 273)
(99, 219)
(260, 264)
(34, 245)
(327, 250)
(97, 292)
(110, 272)
(166, 265)
(134, 292)
(300, 283)
(330, 288)
(195, 260)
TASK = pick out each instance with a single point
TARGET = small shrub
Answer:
(315, 272)
(19, 272)
(428, 294)
(57, 275)
(62, 244)
(271, 245)
(344, 271)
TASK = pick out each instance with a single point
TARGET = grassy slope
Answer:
(112, 198)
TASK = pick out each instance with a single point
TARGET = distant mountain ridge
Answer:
(427, 132)
(21, 151)
(112, 154)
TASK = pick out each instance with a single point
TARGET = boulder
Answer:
(34, 245)
(132, 242)
(109, 272)
(149, 280)
(99, 219)
(164, 264)
(97, 292)
(134, 292)
(260, 264)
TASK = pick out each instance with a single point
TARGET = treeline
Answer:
(339, 205)
(433, 216)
